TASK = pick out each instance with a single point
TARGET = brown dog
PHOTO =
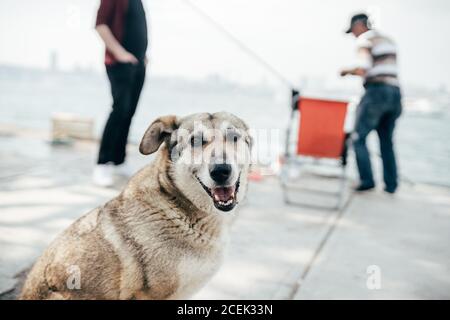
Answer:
(163, 236)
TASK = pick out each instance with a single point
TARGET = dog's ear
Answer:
(158, 131)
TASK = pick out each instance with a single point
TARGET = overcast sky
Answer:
(300, 38)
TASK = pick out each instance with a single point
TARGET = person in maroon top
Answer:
(123, 28)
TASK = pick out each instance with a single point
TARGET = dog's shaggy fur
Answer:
(163, 236)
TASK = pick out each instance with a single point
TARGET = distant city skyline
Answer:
(302, 39)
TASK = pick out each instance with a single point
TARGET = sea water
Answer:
(28, 98)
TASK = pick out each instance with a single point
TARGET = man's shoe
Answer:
(103, 175)
(390, 190)
(362, 188)
(124, 170)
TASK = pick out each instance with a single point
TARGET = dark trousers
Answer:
(378, 110)
(126, 81)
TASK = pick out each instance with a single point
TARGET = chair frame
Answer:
(296, 160)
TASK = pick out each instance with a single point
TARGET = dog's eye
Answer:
(233, 136)
(198, 140)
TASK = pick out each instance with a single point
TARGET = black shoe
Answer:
(390, 190)
(362, 188)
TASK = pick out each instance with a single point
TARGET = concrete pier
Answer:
(377, 247)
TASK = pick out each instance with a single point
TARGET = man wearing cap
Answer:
(380, 106)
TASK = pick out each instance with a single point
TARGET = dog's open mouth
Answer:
(224, 198)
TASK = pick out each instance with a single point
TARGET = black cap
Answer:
(360, 17)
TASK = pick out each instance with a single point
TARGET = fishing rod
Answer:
(295, 93)
(240, 44)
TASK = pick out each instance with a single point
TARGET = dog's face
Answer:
(209, 157)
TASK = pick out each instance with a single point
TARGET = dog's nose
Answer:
(220, 172)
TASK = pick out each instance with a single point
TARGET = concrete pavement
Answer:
(276, 251)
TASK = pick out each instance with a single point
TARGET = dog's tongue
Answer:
(223, 194)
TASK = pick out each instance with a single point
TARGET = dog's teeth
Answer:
(225, 203)
(222, 203)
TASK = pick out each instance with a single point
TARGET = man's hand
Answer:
(354, 72)
(344, 73)
(124, 56)
(114, 46)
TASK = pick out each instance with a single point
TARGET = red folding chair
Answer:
(320, 136)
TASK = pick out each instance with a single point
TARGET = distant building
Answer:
(53, 62)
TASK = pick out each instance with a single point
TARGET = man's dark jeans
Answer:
(126, 81)
(378, 110)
